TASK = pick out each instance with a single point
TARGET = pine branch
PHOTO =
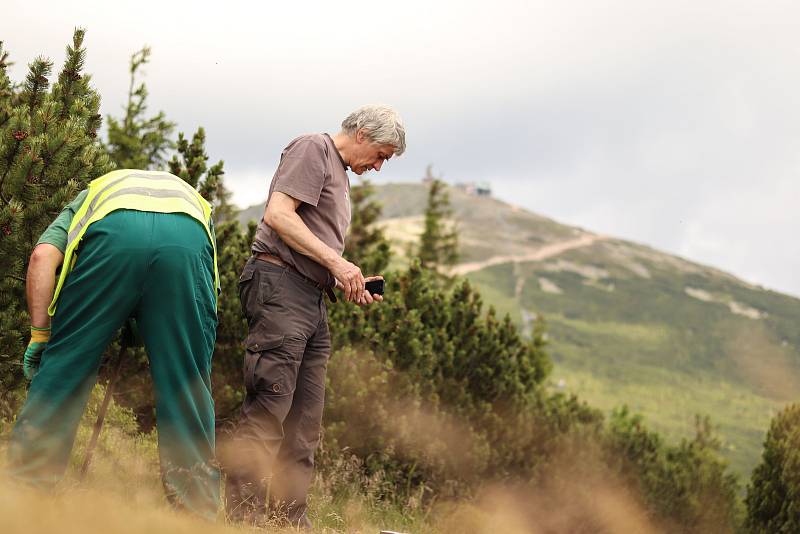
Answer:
(137, 60)
(135, 141)
(36, 82)
(3, 57)
(71, 73)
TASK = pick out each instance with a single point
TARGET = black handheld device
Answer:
(375, 287)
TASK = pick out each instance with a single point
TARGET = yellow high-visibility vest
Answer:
(130, 189)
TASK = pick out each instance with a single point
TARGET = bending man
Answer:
(137, 244)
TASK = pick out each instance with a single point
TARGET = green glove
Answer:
(33, 354)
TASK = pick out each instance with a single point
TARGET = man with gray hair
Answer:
(297, 256)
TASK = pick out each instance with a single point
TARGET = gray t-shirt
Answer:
(312, 171)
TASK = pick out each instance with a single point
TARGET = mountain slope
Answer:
(627, 324)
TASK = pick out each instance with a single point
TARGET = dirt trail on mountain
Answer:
(547, 251)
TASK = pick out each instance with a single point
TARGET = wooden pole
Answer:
(101, 414)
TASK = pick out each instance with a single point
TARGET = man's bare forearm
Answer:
(40, 282)
(294, 232)
(281, 215)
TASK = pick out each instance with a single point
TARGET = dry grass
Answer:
(83, 510)
(576, 509)
(123, 493)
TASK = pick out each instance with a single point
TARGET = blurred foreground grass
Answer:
(123, 494)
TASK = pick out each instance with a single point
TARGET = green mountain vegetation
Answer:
(627, 324)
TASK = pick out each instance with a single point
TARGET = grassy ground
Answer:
(670, 402)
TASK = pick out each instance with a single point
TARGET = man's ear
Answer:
(361, 136)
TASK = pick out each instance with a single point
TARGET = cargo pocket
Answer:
(247, 273)
(244, 278)
(266, 368)
(270, 280)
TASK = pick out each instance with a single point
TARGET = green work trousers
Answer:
(158, 268)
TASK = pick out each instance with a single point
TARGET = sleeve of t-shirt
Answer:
(301, 173)
(56, 233)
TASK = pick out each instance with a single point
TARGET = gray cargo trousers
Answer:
(287, 350)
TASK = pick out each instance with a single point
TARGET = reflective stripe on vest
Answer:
(152, 191)
(191, 195)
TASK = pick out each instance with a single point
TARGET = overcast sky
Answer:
(675, 124)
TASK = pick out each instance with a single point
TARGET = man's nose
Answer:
(378, 164)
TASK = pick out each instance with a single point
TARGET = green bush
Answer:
(48, 152)
(773, 495)
(444, 341)
(687, 485)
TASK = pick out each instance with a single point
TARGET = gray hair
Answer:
(382, 125)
